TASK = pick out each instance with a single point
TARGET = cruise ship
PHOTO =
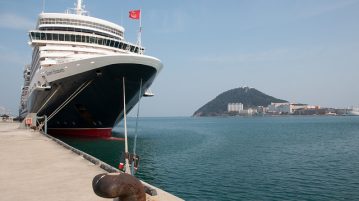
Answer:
(80, 65)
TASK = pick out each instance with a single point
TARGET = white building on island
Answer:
(288, 108)
(235, 107)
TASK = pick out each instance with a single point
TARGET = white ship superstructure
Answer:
(76, 56)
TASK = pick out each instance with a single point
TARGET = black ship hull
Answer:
(91, 103)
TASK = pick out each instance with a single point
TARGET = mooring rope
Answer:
(70, 98)
(135, 140)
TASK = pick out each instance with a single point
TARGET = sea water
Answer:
(242, 158)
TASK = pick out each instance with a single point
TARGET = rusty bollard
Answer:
(123, 186)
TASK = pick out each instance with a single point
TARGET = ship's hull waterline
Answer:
(90, 103)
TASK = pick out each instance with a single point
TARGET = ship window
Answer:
(92, 39)
(42, 36)
(61, 37)
(32, 35)
(100, 41)
(55, 37)
(117, 44)
(78, 38)
(83, 39)
(72, 37)
(48, 36)
(37, 36)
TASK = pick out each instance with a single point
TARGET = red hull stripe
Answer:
(84, 132)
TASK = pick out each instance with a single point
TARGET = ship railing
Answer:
(73, 23)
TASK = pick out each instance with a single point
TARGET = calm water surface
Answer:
(257, 158)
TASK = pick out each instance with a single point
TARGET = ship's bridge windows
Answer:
(81, 30)
(34, 35)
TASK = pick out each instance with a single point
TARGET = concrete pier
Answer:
(34, 167)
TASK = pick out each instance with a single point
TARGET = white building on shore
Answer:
(279, 108)
(248, 112)
(288, 108)
(235, 107)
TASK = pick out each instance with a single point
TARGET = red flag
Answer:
(135, 14)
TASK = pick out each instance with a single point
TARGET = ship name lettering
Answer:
(55, 71)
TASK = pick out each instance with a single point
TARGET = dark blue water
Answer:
(259, 158)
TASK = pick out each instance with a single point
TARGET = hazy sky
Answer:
(303, 51)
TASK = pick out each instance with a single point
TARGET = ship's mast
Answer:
(79, 10)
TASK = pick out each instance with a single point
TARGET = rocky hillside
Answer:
(249, 97)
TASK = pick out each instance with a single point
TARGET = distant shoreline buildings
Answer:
(5, 115)
(246, 101)
(288, 109)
